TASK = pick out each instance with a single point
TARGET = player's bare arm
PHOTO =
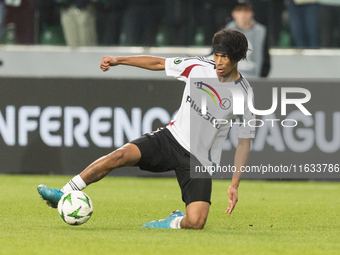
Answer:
(147, 62)
(241, 159)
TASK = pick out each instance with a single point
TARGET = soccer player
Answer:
(169, 148)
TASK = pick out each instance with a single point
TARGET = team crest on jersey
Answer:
(178, 61)
(225, 104)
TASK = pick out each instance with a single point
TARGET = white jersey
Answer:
(199, 133)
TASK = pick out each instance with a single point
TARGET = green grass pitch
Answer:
(270, 218)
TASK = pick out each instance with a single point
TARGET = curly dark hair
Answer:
(234, 42)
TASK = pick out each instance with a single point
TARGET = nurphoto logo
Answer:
(239, 99)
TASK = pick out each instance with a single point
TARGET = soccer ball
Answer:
(75, 208)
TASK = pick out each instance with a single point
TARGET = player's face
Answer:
(224, 67)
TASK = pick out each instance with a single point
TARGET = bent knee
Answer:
(197, 221)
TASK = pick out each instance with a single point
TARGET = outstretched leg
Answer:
(128, 155)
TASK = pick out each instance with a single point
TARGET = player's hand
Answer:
(107, 62)
(233, 198)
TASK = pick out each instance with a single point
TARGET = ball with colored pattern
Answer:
(75, 208)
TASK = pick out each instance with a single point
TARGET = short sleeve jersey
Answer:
(198, 133)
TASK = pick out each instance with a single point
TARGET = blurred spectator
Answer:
(20, 19)
(2, 17)
(257, 63)
(78, 20)
(141, 22)
(110, 15)
(303, 19)
(330, 23)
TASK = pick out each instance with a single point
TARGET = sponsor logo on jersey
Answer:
(208, 116)
(201, 85)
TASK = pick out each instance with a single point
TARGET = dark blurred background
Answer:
(163, 22)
